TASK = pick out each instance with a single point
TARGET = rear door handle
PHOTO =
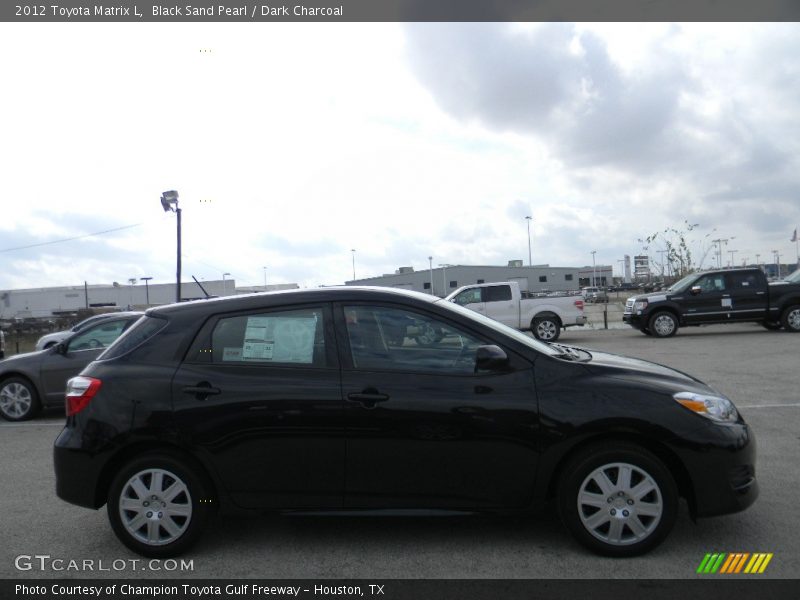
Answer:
(202, 390)
(368, 398)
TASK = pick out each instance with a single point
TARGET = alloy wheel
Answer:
(15, 400)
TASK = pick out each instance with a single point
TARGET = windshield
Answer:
(683, 284)
(794, 277)
(504, 329)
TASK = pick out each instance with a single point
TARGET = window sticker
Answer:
(276, 339)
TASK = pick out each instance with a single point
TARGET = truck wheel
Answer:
(791, 318)
(546, 329)
(663, 324)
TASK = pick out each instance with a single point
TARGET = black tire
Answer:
(546, 328)
(771, 325)
(790, 319)
(663, 324)
(19, 400)
(176, 520)
(633, 512)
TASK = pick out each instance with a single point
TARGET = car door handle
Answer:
(202, 390)
(368, 398)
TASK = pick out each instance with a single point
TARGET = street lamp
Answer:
(265, 278)
(224, 285)
(354, 263)
(530, 261)
(732, 252)
(777, 263)
(430, 268)
(146, 289)
(169, 202)
(594, 270)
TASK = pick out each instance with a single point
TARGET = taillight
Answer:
(80, 391)
(579, 304)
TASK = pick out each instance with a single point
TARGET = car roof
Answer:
(280, 297)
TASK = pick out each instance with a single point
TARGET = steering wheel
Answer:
(93, 343)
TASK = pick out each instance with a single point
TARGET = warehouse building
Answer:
(443, 280)
(38, 303)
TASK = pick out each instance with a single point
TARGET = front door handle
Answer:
(202, 390)
(368, 398)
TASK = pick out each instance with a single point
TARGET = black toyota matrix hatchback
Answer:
(323, 400)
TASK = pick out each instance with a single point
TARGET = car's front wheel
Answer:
(791, 318)
(158, 505)
(663, 324)
(18, 399)
(618, 499)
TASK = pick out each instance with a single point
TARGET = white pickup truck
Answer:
(504, 302)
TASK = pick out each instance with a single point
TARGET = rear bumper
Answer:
(77, 471)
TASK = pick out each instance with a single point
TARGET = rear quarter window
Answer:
(141, 331)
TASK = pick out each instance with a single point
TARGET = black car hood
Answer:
(653, 296)
(612, 365)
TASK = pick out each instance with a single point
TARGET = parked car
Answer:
(31, 381)
(51, 339)
(594, 294)
(544, 315)
(297, 401)
(721, 296)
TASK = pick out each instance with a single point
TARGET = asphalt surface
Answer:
(757, 369)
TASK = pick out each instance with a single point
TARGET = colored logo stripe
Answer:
(734, 562)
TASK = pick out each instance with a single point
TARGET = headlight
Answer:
(640, 305)
(716, 408)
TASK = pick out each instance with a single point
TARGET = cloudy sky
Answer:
(291, 144)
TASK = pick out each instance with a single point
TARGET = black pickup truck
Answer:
(725, 296)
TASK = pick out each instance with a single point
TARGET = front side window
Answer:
(470, 296)
(386, 338)
(280, 337)
(97, 336)
(712, 283)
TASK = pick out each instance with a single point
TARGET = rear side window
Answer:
(498, 293)
(288, 337)
(138, 333)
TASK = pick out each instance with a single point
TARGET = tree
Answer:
(671, 243)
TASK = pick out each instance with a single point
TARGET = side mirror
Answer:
(696, 289)
(490, 358)
(60, 348)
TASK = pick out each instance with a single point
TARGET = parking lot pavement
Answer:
(754, 367)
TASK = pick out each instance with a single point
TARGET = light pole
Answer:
(224, 284)
(265, 279)
(146, 289)
(530, 261)
(777, 263)
(169, 202)
(594, 270)
(732, 252)
(758, 264)
(430, 268)
(354, 263)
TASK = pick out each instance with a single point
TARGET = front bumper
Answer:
(633, 320)
(722, 473)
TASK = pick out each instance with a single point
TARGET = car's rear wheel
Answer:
(663, 324)
(791, 318)
(158, 505)
(547, 329)
(618, 499)
(18, 399)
